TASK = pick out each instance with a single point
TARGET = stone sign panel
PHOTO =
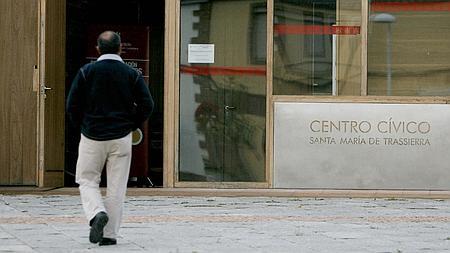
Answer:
(362, 146)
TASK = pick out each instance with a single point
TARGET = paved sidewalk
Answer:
(36, 223)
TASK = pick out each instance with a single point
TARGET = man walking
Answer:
(107, 100)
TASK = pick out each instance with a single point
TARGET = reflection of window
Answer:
(258, 42)
(304, 56)
(314, 43)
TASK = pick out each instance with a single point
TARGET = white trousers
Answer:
(92, 156)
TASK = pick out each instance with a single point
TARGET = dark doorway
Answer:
(143, 21)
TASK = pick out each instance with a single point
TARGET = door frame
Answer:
(171, 104)
(51, 110)
(41, 96)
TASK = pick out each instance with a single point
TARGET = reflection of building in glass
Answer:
(317, 47)
(225, 100)
(420, 48)
(303, 47)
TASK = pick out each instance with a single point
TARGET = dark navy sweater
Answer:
(108, 99)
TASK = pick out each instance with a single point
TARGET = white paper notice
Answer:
(201, 53)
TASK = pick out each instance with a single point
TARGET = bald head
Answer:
(108, 43)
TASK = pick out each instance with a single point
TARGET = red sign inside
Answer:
(135, 45)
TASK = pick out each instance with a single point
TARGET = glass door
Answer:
(222, 94)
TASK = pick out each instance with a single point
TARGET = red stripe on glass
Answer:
(401, 6)
(223, 71)
(316, 29)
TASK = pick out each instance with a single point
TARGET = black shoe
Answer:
(97, 225)
(107, 241)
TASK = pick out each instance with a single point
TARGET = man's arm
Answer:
(74, 106)
(144, 102)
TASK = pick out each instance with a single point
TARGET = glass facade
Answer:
(409, 48)
(222, 100)
(317, 47)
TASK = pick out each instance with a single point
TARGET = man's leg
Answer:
(118, 168)
(91, 159)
